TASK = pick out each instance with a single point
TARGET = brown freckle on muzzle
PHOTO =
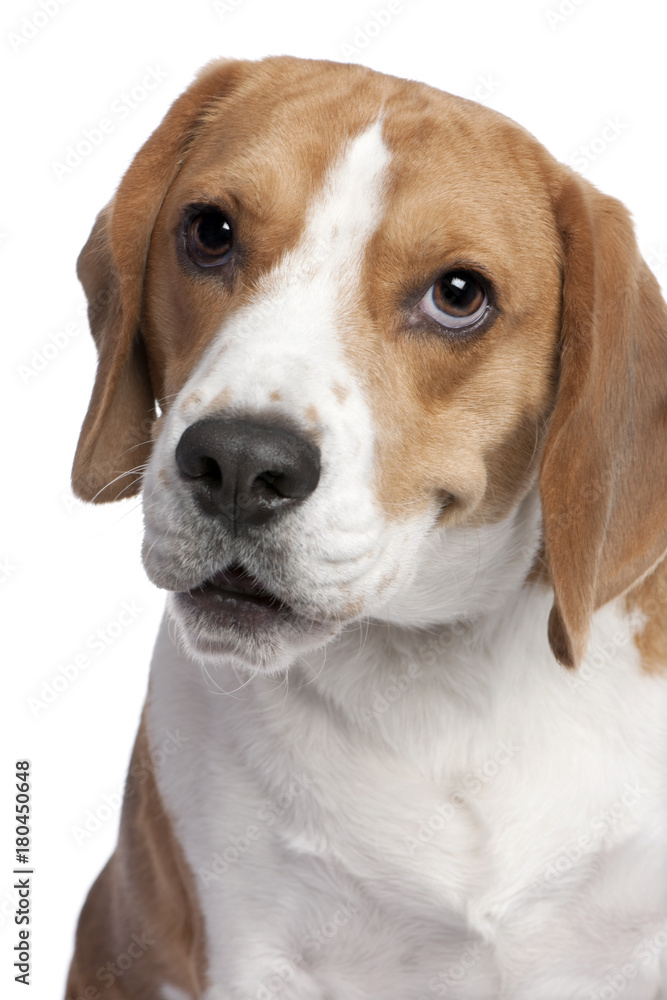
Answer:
(387, 581)
(221, 401)
(194, 399)
(353, 609)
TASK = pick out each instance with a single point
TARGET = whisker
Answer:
(133, 446)
(218, 689)
(129, 472)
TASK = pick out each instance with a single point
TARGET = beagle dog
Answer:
(393, 382)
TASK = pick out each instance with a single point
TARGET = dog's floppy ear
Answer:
(115, 437)
(604, 470)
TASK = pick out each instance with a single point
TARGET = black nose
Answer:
(247, 472)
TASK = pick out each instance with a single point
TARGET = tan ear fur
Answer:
(604, 470)
(115, 437)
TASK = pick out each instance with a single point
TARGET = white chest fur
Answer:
(425, 814)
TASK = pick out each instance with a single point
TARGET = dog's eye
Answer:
(457, 299)
(209, 237)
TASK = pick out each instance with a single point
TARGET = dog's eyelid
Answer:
(192, 208)
(448, 265)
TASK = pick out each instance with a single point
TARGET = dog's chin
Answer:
(232, 616)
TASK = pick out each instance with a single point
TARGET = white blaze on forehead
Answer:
(286, 339)
(349, 210)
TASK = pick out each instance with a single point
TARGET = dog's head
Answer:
(351, 331)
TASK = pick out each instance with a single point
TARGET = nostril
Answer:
(269, 478)
(195, 463)
(210, 470)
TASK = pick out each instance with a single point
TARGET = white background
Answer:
(67, 568)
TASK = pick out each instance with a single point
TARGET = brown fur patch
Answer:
(144, 894)
(650, 598)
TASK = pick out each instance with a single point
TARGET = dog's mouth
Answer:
(235, 597)
(234, 613)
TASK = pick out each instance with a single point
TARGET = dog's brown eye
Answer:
(209, 237)
(457, 299)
